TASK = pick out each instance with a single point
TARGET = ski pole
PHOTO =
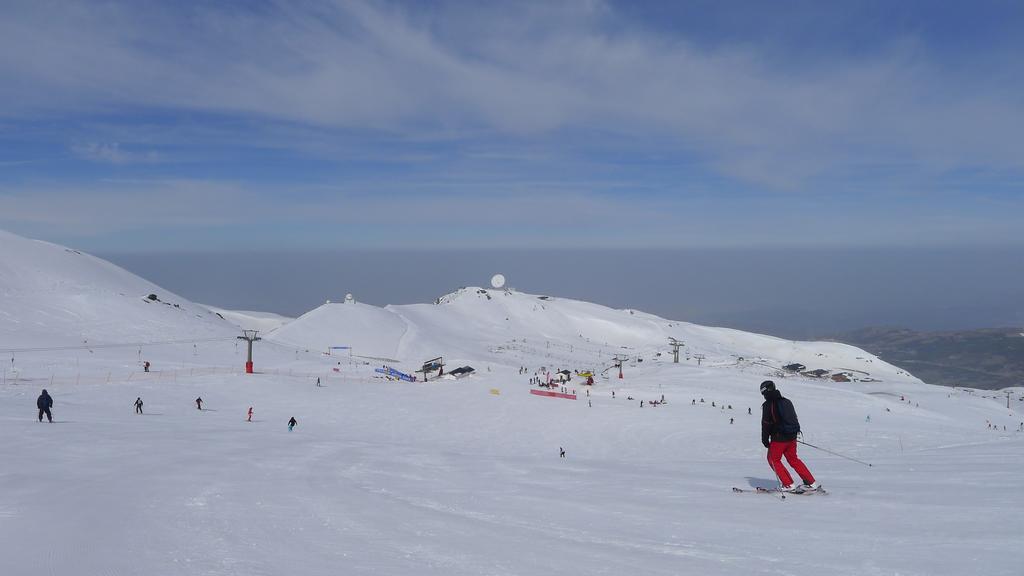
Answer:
(834, 453)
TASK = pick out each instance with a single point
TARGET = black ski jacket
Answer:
(44, 402)
(778, 419)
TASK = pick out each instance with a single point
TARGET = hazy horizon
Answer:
(793, 293)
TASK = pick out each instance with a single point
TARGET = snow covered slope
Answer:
(464, 477)
(368, 330)
(449, 479)
(506, 326)
(55, 296)
(250, 320)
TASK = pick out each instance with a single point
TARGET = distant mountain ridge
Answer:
(506, 326)
(991, 358)
(53, 296)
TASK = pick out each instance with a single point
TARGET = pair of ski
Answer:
(798, 491)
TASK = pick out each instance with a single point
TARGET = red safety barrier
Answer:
(553, 394)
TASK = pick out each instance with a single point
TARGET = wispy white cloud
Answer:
(526, 72)
(113, 153)
(17, 162)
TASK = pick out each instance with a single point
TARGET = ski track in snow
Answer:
(444, 478)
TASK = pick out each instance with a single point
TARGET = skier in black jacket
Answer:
(779, 430)
(44, 403)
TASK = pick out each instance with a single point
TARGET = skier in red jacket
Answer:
(779, 430)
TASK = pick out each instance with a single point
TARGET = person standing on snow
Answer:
(199, 403)
(138, 405)
(44, 403)
(249, 418)
(779, 430)
(291, 423)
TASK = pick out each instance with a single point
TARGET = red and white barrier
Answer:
(553, 394)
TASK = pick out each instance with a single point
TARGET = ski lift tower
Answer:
(249, 336)
(675, 344)
(618, 364)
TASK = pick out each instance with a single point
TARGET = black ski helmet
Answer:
(767, 386)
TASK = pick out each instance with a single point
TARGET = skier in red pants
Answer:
(779, 430)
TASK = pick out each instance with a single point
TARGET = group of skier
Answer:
(780, 429)
(45, 402)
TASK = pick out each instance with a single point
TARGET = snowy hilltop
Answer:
(51, 295)
(505, 326)
(56, 296)
(576, 445)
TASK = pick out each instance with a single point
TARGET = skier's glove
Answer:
(765, 442)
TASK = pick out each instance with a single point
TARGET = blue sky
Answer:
(135, 126)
